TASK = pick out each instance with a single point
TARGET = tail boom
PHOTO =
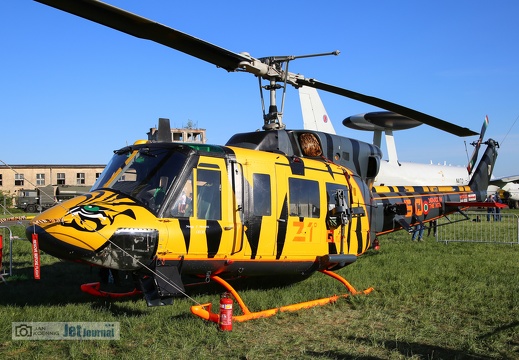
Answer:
(402, 207)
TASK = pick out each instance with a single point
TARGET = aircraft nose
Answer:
(102, 228)
(127, 249)
(57, 247)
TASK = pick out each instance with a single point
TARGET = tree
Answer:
(6, 199)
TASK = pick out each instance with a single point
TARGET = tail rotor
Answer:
(476, 145)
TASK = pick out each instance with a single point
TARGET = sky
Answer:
(72, 91)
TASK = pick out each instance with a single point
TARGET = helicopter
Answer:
(271, 203)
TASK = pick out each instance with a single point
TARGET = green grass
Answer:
(431, 301)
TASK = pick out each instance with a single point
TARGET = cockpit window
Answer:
(143, 173)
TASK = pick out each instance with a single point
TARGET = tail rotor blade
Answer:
(477, 144)
(483, 128)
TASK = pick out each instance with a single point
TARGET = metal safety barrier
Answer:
(3, 271)
(482, 227)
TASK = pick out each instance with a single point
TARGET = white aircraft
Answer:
(507, 188)
(392, 171)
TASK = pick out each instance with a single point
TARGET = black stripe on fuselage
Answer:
(356, 155)
(282, 228)
(214, 238)
(186, 231)
(253, 232)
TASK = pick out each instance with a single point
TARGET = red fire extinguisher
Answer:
(225, 312)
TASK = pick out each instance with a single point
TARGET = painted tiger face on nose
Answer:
(98, 210)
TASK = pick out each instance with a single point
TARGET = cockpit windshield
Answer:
(145, 173)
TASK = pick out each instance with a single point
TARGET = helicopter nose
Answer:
(127, 249)
(57, 247)
(101, 228)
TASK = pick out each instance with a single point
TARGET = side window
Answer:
(40, 179)
(183, 204)
(261, 194)
(303, 198)
(18, 179)
(61, 179)
(80, 179)
(209, 195)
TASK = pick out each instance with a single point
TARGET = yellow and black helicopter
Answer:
(277, 202)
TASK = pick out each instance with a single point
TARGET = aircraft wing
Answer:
(504, 180)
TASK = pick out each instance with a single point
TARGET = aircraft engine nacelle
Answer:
(361, 157)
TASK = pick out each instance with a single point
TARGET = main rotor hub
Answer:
(275, 73)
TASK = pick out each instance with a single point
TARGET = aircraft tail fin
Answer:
(481, 177)
(314, 113)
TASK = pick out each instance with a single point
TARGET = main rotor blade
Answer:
(143, 28)
(387, 105)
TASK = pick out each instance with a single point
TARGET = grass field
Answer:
(431, 301)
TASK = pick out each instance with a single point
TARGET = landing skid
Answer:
(95, 290)
(204, 310)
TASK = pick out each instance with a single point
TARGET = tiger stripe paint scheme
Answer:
(279, 237)
(269, 213)
(238, 235)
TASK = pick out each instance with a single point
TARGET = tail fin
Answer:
(314, 113)
(481, 178)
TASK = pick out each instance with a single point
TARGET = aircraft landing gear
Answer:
(204, 310)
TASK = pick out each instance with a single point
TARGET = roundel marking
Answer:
(325, 118)
(425, 207)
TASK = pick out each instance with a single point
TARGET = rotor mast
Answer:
(278, 72)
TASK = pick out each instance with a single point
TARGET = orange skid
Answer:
(204, 310)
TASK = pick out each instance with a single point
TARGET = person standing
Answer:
(497, 216)
(490, 210)
(418, 232)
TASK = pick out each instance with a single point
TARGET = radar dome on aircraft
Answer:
(380, 120)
